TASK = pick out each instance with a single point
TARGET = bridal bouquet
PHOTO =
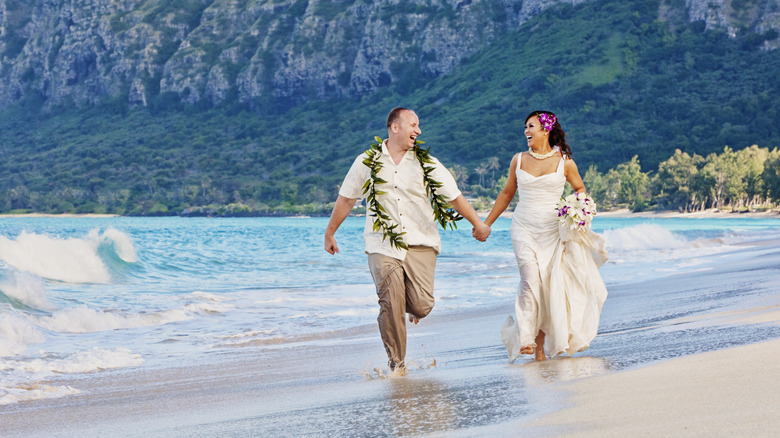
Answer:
(576, 211)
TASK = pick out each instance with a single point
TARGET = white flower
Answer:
(576, 210)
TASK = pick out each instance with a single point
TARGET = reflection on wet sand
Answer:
(456, 400)
(420, 406)
(563, 368)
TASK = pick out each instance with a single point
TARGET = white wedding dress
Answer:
(561, 291)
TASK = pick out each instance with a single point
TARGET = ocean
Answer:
(83, 296)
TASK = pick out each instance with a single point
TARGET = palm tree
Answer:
(493, 164)
(482, 171)
(460, 173)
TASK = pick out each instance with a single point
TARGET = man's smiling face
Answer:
(406, 129)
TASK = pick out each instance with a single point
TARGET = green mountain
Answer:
(139, 121)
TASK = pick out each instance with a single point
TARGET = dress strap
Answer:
(519, 163)
(560, 163)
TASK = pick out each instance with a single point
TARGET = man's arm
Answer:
(340, 212)
(462, 206)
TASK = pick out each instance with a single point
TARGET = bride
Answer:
(561, 293)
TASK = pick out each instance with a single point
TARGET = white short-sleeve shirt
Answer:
(405, 200)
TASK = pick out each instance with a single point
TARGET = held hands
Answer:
(481, 232)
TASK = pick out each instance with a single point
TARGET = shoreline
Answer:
(62, 215)
(666, 214)
(620, 213)
(705, 214)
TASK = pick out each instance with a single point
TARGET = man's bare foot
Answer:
(540, 356)
(397, 370)
(414, 319)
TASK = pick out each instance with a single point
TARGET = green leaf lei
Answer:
(443, 212)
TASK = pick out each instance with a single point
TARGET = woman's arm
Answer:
(573, 175)
(506, 195)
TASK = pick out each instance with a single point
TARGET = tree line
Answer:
(735, 180)
(747, 179)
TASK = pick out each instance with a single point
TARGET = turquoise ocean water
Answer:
(85, 295)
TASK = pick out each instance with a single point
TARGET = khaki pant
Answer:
(403, 286)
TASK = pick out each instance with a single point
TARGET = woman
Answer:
(561, 292)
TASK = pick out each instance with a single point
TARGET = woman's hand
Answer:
(481, 232)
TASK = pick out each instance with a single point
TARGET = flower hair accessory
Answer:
(548, 121)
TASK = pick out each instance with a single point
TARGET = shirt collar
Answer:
(408, 155)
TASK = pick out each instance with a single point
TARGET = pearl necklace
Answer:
(542, 156)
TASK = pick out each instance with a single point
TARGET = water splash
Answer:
(25, 291)
(70, 260)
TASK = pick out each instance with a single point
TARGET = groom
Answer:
(403, 276)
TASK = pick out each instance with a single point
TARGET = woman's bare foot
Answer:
(540, 356)
(414, 319)
(528, 349)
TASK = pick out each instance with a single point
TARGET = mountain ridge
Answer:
(86, 51)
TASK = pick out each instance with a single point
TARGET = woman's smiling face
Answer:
(534, 133)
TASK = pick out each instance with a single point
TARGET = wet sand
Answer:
(678, 356)
(732, 392)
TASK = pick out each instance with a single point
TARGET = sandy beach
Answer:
(732, 392)
(37, 215)
(709, 213)
(693, 354)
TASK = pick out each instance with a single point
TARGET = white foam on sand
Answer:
(16, 386)
(35, 391)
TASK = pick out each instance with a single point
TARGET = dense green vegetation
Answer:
(623, 84)
(743, 180)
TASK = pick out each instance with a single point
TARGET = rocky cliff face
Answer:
(737, 16)
(85, 51)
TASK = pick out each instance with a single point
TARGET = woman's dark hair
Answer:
(557, 136)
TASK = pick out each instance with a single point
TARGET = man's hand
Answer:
(340, 212)
(330, 244)
(481, 232)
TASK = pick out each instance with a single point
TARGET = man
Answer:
(403, 276)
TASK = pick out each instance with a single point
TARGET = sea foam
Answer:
(35, 391)
(16, 332)
(96, 359)
(643, 237)
(26, 289)
(86, 320)
(87, 361)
